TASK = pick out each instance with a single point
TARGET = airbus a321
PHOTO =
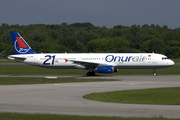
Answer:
(93, 62)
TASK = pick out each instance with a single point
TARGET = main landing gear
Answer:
(90, 73)
(154, 70)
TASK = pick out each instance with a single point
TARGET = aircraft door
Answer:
(154, 59)
(35, 60)
(79, 58)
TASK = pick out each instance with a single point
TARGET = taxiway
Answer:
(66, 98)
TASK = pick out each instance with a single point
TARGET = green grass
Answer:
(176, 60)
(161, 96)
(31, 80)
(7, 61)
(174, 70)
(21, 116)
(33, 70)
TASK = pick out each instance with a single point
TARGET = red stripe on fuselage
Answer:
(21, 43)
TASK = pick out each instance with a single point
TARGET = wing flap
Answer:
(87, 64)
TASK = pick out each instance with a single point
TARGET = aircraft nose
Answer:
(171, 62)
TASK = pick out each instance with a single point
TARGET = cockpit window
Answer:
(164, 58)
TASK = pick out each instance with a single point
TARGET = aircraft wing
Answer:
(87, 64)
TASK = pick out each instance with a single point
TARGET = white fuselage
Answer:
(84, 60)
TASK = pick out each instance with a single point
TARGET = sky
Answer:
(106, 13)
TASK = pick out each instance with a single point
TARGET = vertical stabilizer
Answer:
(20, 45)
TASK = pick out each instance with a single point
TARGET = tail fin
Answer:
(20, 45)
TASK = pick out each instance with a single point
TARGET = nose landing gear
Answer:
(154, 70)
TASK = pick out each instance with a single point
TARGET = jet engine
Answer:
(105, 69)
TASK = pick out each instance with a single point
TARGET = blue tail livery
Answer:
(20, 45)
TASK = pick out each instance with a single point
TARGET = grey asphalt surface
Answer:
(66, 98)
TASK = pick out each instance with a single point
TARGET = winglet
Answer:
(20, 45)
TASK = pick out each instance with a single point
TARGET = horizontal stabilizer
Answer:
(16, 58)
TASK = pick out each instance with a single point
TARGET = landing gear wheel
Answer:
(93, 73)
(90, 73)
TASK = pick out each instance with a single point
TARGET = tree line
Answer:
(87, 38)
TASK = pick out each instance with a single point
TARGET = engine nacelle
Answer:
(105, 69)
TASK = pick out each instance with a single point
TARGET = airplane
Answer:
(94, 62)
